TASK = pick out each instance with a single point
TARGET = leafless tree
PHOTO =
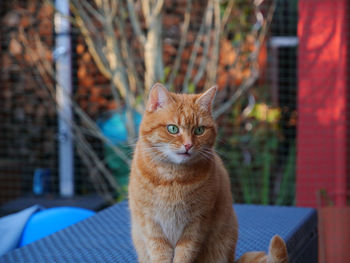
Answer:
(99, 20)
(125, 39)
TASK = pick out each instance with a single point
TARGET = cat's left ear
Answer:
(158, 98)
(205, 101)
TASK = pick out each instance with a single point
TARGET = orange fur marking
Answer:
(180, 198)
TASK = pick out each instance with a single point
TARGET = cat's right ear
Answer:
(158, 98)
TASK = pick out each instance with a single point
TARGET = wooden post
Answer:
(62, 56)
(322, 100)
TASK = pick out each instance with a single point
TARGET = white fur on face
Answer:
(174, 155)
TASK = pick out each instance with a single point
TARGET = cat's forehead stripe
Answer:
(186, 119)
(182, 122)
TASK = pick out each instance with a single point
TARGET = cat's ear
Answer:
(205, 100)
(158, 97)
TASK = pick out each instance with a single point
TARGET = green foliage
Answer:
(191, 88)
(240, 21)
(167, 71)
(263, 113)
(288, 180)
(139, 100)
(119, 169)
(252, 155)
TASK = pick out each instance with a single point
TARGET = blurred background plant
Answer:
(252, 151)
(122, 47)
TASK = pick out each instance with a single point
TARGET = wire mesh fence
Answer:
(259, 146)
(284, 141)
(28, 127)
(257, 136)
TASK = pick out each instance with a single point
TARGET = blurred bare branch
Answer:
(89, 157)
(185, 26)
(125, 41)
(253, 58)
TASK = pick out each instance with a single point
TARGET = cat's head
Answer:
(178, 128)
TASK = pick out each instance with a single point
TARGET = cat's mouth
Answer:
(185, 154)
(181, 156)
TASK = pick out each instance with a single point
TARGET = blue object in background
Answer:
(106, 236)
(12, 226)
(41, 181)
(51, 220)
(114, 127)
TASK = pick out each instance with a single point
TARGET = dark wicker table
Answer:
(105, 237)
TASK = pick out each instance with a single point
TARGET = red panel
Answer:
(322, 96)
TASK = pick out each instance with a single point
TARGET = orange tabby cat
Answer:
(179, 191)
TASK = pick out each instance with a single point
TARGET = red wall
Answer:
(322, 100)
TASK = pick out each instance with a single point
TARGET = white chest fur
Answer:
(173, 219)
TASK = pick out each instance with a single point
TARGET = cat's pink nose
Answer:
(188, 146)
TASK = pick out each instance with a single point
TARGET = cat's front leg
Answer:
(189, 245)
(158, 246)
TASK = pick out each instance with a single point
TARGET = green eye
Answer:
(173, 129)
(199, 130)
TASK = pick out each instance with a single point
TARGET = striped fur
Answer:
(277, 253)
(180, 201)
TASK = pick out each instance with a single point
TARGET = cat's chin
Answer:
(185, 155)
(183, 158)
(180, 158)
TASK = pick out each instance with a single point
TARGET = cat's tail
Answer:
(277, 250)
(277, 253)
